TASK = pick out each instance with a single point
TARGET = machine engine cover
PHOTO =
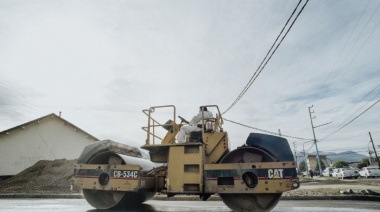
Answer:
(277, 146)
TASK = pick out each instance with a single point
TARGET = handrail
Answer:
(218, 118)
(152, 123)
(144, 128)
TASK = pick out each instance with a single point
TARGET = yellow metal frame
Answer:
(188, 164)
(273, 185)
(170, 136)
(152, 124)
(239, 187)
(115, 183)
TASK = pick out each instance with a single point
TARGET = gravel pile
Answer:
(51, 177)
(43, 177)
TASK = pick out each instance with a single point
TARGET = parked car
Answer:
(356, 170)
(327, 172)
(369, 172)
(346, 173)
(334, 173)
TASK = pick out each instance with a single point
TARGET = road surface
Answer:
(79, 205)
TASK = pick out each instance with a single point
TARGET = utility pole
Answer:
(370, 156)
(315, 142)
(295, 151)
(304, 154)
(373, 145)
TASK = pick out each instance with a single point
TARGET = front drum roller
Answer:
(249, 202)
(117, 199)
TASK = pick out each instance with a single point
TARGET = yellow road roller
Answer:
(249, 178)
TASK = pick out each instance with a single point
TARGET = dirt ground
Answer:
(331, 186)
(55, 177)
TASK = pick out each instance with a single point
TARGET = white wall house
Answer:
(47, 138)
(312, 161)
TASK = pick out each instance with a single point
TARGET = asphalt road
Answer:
(64, 205)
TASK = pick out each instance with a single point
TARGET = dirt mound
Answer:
(51, 177)
(43, 177)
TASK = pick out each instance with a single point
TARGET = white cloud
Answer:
(102, 63)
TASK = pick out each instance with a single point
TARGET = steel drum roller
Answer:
(102, 199)
(250, 202)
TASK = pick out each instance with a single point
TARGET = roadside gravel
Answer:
(329, 186)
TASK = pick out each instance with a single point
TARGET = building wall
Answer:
(48, 139)
(312, 161)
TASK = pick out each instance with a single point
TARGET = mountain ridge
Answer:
(348, 156)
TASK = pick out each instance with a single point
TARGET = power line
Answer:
(348, 137)
(361, 100)
(340, 70)
(357, 104)
(341, 52)
(361, 106)
(267, 131)
(352, 120)
(260, 68)
(310, 147)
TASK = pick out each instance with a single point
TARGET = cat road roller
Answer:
(249, 178)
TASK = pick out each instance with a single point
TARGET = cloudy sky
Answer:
(102, 62)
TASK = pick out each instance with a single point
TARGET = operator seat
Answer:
(196, 136)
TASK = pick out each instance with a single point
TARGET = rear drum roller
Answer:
(250, 202)
(116, 199)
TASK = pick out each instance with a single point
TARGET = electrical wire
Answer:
(310, 147)
(357, 104)
(360, 108)
(267, 131)
(247, 85)
(329, 78)
(340, 70)
(352, 120)
(360, 101)
(348, 137)
(261, 66)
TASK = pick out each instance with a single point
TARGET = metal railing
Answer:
(153, 123)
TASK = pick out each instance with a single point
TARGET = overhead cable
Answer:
(360, 102)
(331, 78)
(340, 71)
(267, 131)
(261, 66)
(357, 104)
(351, 120)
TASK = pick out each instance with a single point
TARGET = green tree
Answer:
(323, 166)
(340, 164)
(364, 163)
(302, 166)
